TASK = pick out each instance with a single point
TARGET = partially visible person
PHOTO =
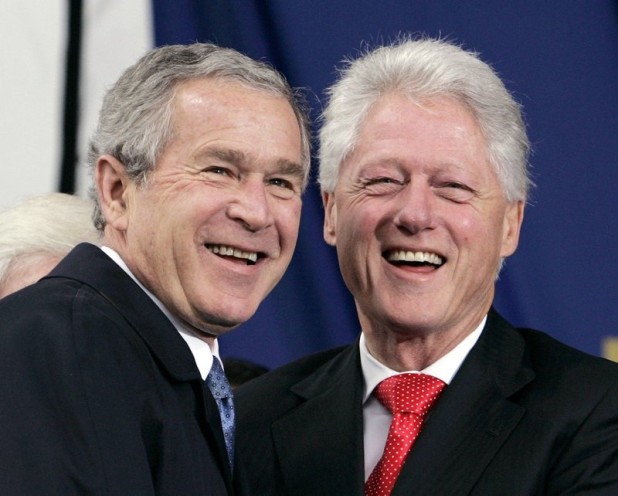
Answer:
(423, 171)
(240, 371)
(110, 375)
(36, 233)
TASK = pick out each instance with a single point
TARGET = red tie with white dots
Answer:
(408, 397)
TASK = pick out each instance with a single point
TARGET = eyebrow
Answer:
(239, 158)
(291, 168)
(224, 154)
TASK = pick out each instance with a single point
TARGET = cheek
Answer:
(141, 226)
(288, 222)
(471, 227)
(481, 238)
(349, 232)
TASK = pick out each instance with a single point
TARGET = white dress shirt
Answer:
(376, 418)
(202, 353)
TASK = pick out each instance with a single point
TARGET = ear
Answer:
(513, 219)
(112, 183)
(330, 218)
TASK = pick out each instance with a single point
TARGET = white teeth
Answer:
(415, 256)
(232, 252)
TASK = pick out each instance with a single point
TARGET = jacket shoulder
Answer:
(274, 386)
(547, 353)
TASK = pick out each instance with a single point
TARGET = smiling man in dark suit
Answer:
(424, 175)
(199, 161)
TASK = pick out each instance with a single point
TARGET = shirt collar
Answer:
(201, 351)
(444, 368)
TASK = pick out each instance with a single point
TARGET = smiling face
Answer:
(214, 227)
(419, 220)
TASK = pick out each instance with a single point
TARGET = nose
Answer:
(415, 208)
(251, 206)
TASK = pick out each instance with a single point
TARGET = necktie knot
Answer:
(217, 381)
(409, 393)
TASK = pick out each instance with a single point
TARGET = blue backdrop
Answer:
(559, 57)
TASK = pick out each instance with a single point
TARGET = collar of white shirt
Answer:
(445, 368)
(202, 353)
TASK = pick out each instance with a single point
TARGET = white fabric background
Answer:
(33, 37)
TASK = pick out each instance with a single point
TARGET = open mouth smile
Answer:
(414, 258)
(249, 257)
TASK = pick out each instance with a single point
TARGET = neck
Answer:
(409, 350)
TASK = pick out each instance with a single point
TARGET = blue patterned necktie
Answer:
(222, 392)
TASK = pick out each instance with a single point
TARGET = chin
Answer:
(228, 318)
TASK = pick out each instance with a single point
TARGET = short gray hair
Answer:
(45, 225)
(136, 118)
(423, 69)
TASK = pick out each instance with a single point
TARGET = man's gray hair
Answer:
(423, 69)
(136, 118)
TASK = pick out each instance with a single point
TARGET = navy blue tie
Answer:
(222, 392)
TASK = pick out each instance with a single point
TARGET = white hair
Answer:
(48, 225)
(423, 69)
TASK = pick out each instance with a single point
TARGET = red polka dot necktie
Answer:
(408, 397)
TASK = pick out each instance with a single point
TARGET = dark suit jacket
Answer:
(525, 415)
(99, 394)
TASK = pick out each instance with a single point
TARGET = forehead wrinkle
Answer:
(390, 162)
(403, 164)
(235, 157)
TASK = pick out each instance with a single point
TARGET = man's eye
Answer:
(282, 183)
(381, 180)
(456, 185)
(381, 185)
(216, 169)
(283, 188)
(455, 191)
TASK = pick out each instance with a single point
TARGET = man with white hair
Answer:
(423, 170)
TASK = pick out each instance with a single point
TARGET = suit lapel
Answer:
(332, 445)
(473, 417)
(91, 266)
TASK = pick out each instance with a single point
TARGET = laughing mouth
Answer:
(250, 257)
(414, 258)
